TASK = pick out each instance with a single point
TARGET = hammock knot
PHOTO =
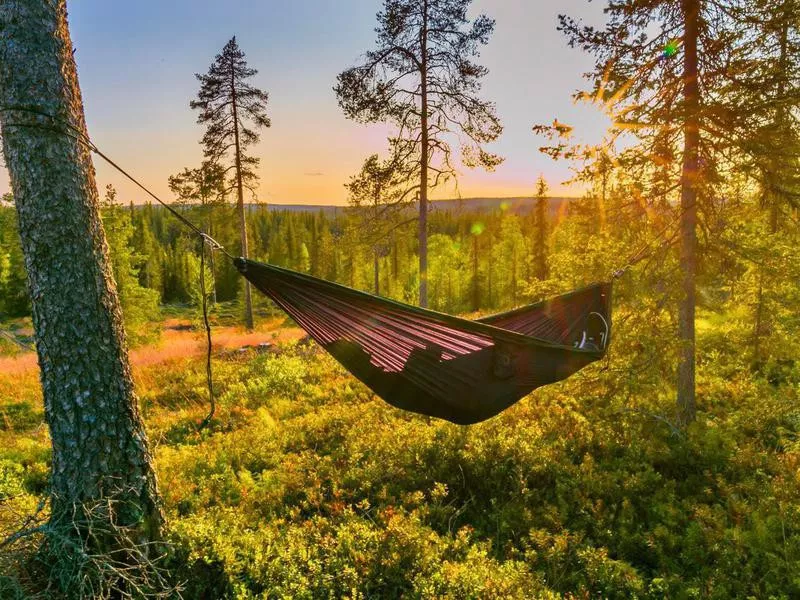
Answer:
(241, 264)
(212, 243)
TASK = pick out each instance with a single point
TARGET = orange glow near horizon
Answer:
(282, 181)
(137, 78)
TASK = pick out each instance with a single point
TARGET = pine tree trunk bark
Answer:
(688, 223)
(423, 177)
(100, 449)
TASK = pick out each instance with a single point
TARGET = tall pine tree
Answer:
(423, 78)
(234, 111)
(657, 62)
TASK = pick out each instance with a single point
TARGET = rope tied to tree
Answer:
(81, 137)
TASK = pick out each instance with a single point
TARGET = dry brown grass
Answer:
(175, 343)
(18, 364)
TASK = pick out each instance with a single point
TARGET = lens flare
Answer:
(671, 49)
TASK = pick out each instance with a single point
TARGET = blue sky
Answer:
(137, 60)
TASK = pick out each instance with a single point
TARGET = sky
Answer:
(137, 63)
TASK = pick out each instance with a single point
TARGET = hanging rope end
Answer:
(209, 374)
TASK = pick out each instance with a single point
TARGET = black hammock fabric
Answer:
(436, 364)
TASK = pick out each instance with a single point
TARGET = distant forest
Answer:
(484, 252)
(516, 204)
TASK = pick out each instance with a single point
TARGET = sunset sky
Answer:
(137, 61)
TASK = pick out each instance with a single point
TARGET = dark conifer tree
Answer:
(234, 111)
(422, 78)
(204, 185)
(378, 202)
(139, 304)
(147, 246)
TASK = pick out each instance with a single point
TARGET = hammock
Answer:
(436, 364)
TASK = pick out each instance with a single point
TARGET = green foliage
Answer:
(320, 491)
(306, 486)
(147, 246)
(447, 274)
(509, 256)
(139, 304)
(14, 301)
(10, 479)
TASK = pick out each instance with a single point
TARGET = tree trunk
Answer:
(248, 300)
(423, 172)
(688, 250)
(100, 449)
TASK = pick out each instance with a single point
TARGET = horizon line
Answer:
(312, 204)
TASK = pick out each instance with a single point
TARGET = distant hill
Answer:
(517, 205)
(328, 209)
